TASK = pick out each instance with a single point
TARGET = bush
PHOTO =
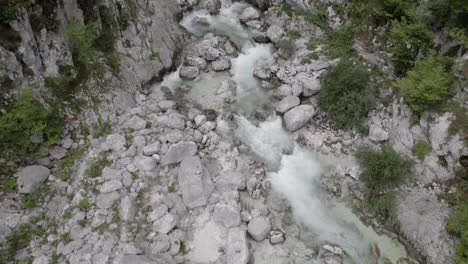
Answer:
(286, 46)
(421, 149)
(95, 169)
(428, 84)
(457, 224)
(391, 9)
(346, 96)
(381, 171)
(81, 39)
(294, 35)
(409, 39)
(28, 117)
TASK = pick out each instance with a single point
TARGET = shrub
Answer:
(294, 35)
(346, 96)
(340, 44)
(409, 39)
(381, 171)
(95, 169)
(8, 184)
(81, 39)
(286, 46)
(428, 84)
(457, 224)
(28, 117)
(421, 149)
(391, 9)
(17, 240)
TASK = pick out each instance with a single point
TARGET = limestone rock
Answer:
(143, 163)
(249, 13)
(221, 64)
(227, 214)
(287, 103)
(310, 84)
(275, 33)
(298, 117)
(237, 251)
(189, 72)
(194, 182)
(136, 123)
(111, 186)
(127, 209)
(166, 223)
(31, 178)
(152, 148)
(178, 152)
(259, 228)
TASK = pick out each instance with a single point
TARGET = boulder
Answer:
(152, 148)
(259, 228)
(178, 152)
(230, 180)
(213, 6)
(143, 163)
(198, 62)
(249, 13)
(58, 152)
(166, 223)
(237, 251)
(275, 33)
(136, 123)
(189, 72)
(111, 186)
(208, 49)
(227, 214)
(157, 213)
(31, 178)
(276, 237)
(286, 90)
(221, 64)
(194, 182)
(377, 134)
(298, 117)
(287, 103)
(115, 142)
(310, 84)
(127, 209)
(106, 200)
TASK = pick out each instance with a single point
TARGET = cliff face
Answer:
(34, 46)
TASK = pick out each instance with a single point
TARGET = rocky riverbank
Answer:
(194, 168)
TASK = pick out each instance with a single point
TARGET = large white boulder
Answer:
(194, 182)
(298, 117)
(178, 152)
(31, 178)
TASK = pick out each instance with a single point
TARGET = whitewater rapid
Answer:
(295, 172)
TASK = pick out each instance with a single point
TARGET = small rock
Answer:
(127, 209)
(106, 200)
(58, 152)
(189, 72)
(166, 223)
(136, 123)
(157, 213)
(237, 251)
(31, 178)
(167, 104)
(298, 117)
(249, 13)
(275, 33)
(178, 152)
(152, 148)
(259, 228)
(115, 142)
(143, 163)
(221, 64)
(287, 103)
(111, 186)
(276, 237)
(67, 143)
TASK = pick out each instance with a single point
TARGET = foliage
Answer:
(452, 13)
(17, 240)
(124, 16)
(460, 123)
(287, 46)
(84, 205)
(101, 128)
(392, 9)
(381, 171)
(422, 149)
(8, 10)
(67, 163)
(428, 84)
(155, 56)
(29, 201)
(8, 184)
(346, 96)
(81, 39)
(340, 44)
(95, 169)
(28, 117)
(458, 222)
(63, 85)
(294, 35)
(409, 39)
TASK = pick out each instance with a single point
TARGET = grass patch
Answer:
(101, 128)
(8, 184)
(294, 35)
(422, 149)
(29, 201)
(382, 170)
(95, 169)
(17, 240)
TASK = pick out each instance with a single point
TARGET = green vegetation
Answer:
(172, 187)
(25, 118)
(29, 201)
(428, 84)
(286, 46)
(95, 169)
(67, 163)
(84, 205)
(422, 149)
(101, 128)
(391, 9)
(346, 96)
(294, 35)
(155, 56)
(409, 40)
(381, 171)
(17, 240)
(8, 184)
